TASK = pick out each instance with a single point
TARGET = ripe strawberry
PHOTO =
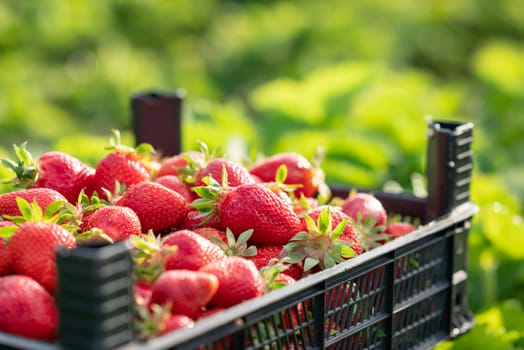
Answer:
(174, 183)
(187, 291)
(176, 322)
(349, 233)
(238, 280)
(369, 218)
(195, 219)
(117, 222)
(236, 173)
(299, 172)
(193, 251)
(6, 267)
(56, 170)
(32, 249)
(43, 196)
(177, 163)
(209, 232)
(360, 206)
(26, 308)
(158, 207)
(399, 228)
(250, 206)
(124, 165)
(329, 239)
(64, 173)
(265, 255)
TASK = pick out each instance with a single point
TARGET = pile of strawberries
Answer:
(205, 232)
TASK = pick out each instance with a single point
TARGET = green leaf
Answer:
(309, 263)
(310, 223)
(25, 208)
(7, 231)
(339, 229)
(244, 236)
(324, 221)
(347, 252)
(281, 174)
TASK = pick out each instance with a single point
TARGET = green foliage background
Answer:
(357, 77)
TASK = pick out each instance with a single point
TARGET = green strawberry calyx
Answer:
(25, 167)
(319, 245)
(236, 246)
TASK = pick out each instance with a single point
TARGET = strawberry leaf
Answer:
(26, 208)
(324, 221)
(7, 231)
(309, 263)
(340, 228)
(281, 174)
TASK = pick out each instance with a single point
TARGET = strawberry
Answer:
(64, 173)
(238, 280)
(32, 248)
(236, 173)
(6, 267)
(360, 206)
(187, 291)
(176, 322)
(399, 229)
(250, 206)
(329, 239)
(196, 219)
(193, 251)
(26, 308)
(155, 320)
(158, 207)
(209, 232)
(176, 164)
(267, 254)
(56, 170)
(369, 218)
(117, 222)
(349, 233)
(299, 172)
(124, 165)
(174, 183)
(43, 197)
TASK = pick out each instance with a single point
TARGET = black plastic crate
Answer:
(410, 293)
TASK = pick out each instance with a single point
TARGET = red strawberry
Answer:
(360, 206)
(173, 165)
(195, 219)
(348, 234)
(193, 251)
(236, 173)
(265, 255)
(299, 172)
(188, 291)
(32, 248)
(126, 165)
(253, 206)
(56, 170)
(238, 280)
(398, 229)
(6, 267)
(209, 232)
(143, 292)
(369, 218)
(26, 308)
(117, 222)
(329, 239)
(64, 173)
(176, 322)
(43, 196)
(174, 183)
(158, 207)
